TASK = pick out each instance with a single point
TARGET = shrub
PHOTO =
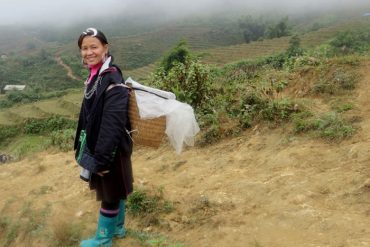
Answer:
(148, 205)
(178, 54)
(54, 123)
(190, 81)
(338, 81)
(63, 139)
(333, 127)
(329, 126)
(350, 42)
(8, 132)
(279, 110)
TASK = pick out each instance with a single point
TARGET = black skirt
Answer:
(115, 185)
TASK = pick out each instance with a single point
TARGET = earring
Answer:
(104, 58)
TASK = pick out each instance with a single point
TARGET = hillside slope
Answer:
(264, 188)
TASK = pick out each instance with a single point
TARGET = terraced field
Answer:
(315, 38)
(140, 74)
(222, 55)
(66, 106)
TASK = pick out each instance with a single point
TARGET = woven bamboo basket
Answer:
(146, 132)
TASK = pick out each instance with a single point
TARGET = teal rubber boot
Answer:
(104, 233)
(120, 231)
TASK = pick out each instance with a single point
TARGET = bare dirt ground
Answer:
(264, 188)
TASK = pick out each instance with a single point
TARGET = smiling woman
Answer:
(102, 144)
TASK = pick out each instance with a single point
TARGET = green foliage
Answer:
(177, 55)
(63, 139)
(252, 104)
(74, 62)
(329, 126)
(278, 30)
(54, 123)
(348, 42)
(152, 239)
(28, 96)
(148, 206)
(279, 110)
(38, 70)
(189, 80)
(23, 146)
(7, 132)
(294, 49)
(143, 202)
(343, 107)
(258, 29)
(338, 81)
(252, 29)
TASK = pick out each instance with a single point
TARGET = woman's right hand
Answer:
(101, 174)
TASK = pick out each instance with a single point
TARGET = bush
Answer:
(148, 205)
(329, 126)
(350, 42)
(54, 123)
(189, 79)
(279, 110)
(339, 80)
(63, 139)
(178, 54)
(7, 132)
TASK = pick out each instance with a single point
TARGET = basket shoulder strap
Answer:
(117, 85)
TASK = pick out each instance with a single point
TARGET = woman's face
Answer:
(92, 50)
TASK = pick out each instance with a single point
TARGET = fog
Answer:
(66, 12)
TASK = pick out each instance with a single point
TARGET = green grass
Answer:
(25, 145)
(152, 239)
(330, 126)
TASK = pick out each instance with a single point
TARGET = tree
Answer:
(278, 30)
(177, 55)
(252, 29)
(295, 46)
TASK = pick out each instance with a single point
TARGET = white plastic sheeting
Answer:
(181, 125)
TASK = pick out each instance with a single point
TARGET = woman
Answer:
(103, 146)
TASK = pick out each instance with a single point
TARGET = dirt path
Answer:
(264, 188)
(67, 68)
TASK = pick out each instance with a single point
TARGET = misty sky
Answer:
(66, 11)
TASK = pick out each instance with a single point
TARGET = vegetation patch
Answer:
(148, 206)
(147, 239)
(329, 126)
(67, 234)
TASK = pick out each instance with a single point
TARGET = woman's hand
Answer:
(101, 174)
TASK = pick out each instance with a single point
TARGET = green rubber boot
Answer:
(120, 231)
(104, 233)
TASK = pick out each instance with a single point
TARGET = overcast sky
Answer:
(66, 11)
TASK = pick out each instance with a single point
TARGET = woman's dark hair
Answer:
(93, 32)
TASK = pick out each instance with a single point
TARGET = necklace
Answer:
(89, 94)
